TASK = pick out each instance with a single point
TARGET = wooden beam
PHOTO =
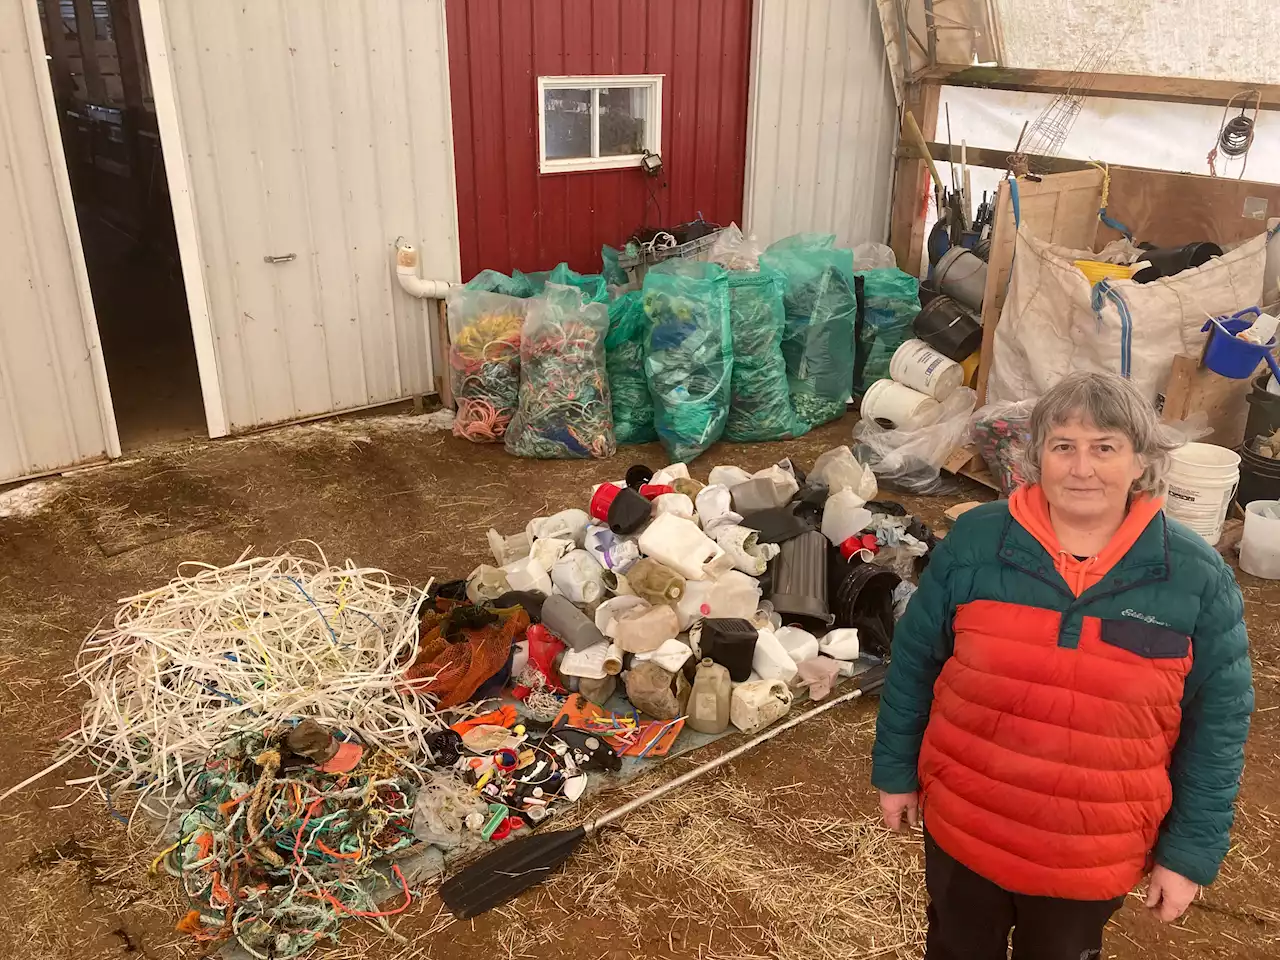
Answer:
(996, 159)
(911, 190)
(1120, 86)
(87, 35)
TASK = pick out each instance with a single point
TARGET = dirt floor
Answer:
(777, 857)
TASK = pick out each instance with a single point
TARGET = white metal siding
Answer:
(320, 128)
(55, 410)
(822, 123)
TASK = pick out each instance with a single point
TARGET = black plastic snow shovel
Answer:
(520, 864)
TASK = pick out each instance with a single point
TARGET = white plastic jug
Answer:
(673, 471)
(680, 545)
(610, 550)
(715, 506)
(771, 660)
(1260, 546)
(801, 645)
(548, 550)
(696, 602)
(486, 583)
(648, 631)
(757, 703)
(528, 574)
(674, 503)
(579, 577)
(734, 595)
(840, 644)
(709, 702)
(727, 476)
(567, 524)
(844, 516)
(508, 549)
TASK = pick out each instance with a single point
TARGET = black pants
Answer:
(970, 918)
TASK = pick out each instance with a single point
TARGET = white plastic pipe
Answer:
(410, 282)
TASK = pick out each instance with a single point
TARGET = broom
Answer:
(504, 874)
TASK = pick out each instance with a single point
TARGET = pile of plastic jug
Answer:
(712, 603)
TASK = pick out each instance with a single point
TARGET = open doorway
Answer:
(97, 62)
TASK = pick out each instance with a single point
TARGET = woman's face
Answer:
(1087, 473)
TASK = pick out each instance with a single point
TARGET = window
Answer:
(598, 123)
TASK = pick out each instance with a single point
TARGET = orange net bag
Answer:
(452, 670)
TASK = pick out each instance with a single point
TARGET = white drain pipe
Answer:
(410, 282)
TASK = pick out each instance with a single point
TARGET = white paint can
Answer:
(900, 407)
(917, 365)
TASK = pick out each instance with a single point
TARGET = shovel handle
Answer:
(868, 682)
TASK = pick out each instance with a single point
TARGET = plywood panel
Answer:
(1172, 209)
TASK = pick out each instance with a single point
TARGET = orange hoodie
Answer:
(1030, 508)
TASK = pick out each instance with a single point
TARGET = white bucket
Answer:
(917, 365)
(901, 406)
(1260, 546)
(1202, 480)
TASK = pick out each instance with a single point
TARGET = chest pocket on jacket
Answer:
(1148, 640)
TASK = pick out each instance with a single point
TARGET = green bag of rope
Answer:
(624, 361)
(821, 316)
(484, 361)
(689, 354)
(760, 397)
(891, 301)
(613, 273)
(592, 286)
(565, 411)
(494, 281)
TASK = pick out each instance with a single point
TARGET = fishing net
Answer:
(689, 358)
(455, 659)
(891, 302)
(564, 411)
(593, 286)
(624, 361)
(821, 317)
(484, 361)
(760, 405)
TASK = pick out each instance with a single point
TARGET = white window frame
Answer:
(596, 83)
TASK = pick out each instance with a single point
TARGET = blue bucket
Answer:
(1229, 356)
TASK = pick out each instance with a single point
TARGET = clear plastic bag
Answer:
(689, 358)
(873, 256)
(760, 405)
(624, 360)
(733, 251)
(821, 317)
(911, 460)
(484, 361)
(1001, 431)
(565, 410)
(891, 301)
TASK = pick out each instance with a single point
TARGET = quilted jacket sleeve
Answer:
(1209, 755)
(922, 643)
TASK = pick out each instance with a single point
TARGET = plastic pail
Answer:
(1202, 480)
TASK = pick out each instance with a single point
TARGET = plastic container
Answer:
(696, 602)
(570, 624)
(1259, 478)
(838, 469)
(568, 524)
(1098, 270)
(917, 365)
(509, 549)
(674, 503)
(862, 598)
(1202, 481)
(757, 703)
(730, 643)
(528, 574)
(655, 582)
(840, 644)
(652, 491)
(770, 659)
(800, 580)
(579, 577)
(758, 493)
(801, 645)
(727, 476)
(680, 545)
(896, 407)
(1229, 356)
(962, 276)
(949, 328)
(1260, 546)
(548, 551)
(1264, 408)
(648, 631)
(623, 509)
(844, 517)
(709, 702)
(734, 595)
(1171, 261)
(486, 583)
(611, 551)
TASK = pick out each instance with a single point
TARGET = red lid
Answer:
(850, 547)
(602, 499)
(651, 491)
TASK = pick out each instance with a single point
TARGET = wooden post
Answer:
(87, 35)
(911, 186)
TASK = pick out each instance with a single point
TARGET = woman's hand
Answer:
(894, 807)
(1168, 895)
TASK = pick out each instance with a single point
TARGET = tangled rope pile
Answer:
(223, 651)
(484, 362)
(275, 858)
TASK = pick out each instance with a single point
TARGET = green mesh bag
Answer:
(760, 396)
(494, 281)
(891, 300)
(624, 362)
(592, 285)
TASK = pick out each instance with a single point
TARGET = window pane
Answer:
(568, 120)
(623, 112)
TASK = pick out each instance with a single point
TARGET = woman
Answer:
(1069, 695)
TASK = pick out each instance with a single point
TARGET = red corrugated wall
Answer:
(509, 215)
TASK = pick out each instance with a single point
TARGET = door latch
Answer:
(285, 259)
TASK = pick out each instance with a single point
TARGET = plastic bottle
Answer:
(757, 703)
(646, 632)
(801, 645)
(528, 574)
(843, 518)
(508, 549)
(743, 550)
(550, 549)
(655, 582)
(771, 660)
(709, 704)
(579, 577)
(715, 506)
(734, 596)
(727, 476)
(486, 583)
(625, 510)
(841, 644)
(567, 524)
(674, 503)
(680, 545)
(696, 602)
(671, 473)
(570, 624)
(610, 550)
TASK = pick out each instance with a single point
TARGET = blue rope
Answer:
(315, 606)
(1102, 292)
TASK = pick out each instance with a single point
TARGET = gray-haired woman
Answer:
(1069, 695)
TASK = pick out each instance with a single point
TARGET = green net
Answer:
(891, 300)
(760, 408)
(821, 317)
(624, 360)
(689, 359)
(592, 285)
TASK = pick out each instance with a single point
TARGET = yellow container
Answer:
(970, 367)
(1095, 270)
